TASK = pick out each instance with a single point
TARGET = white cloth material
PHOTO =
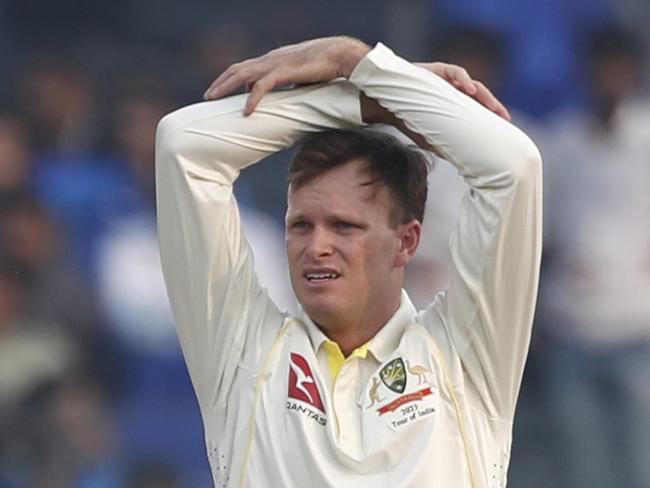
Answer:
(598, 234)
(454, 369)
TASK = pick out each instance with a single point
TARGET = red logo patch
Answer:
(302, 385)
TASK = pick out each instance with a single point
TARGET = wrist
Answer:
(350, 53)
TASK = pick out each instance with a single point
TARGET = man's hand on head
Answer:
(460, 78)
(313, 61)
(324, 59)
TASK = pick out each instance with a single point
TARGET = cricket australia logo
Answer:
(393, 375)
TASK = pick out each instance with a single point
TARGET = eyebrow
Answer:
(332, 216)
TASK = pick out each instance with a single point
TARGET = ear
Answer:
(409, 239)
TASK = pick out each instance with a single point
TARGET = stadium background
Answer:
(93, 391)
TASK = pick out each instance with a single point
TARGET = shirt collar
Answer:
(384, 342)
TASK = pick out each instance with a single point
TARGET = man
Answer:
(596, 321)
(360, 389)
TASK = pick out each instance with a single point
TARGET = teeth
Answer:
(321, 276)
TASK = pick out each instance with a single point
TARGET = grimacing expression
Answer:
(345, 257)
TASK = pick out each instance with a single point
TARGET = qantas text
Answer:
(312, 414)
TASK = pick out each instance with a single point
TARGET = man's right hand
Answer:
(324, 59)
(314, 61)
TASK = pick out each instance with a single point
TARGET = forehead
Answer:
(346, 188)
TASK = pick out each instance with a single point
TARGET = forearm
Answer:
(216, 137)
(450, 123)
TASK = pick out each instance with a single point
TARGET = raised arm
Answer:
(224, 318)
(488, 308)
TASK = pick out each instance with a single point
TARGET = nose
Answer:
(320, 243)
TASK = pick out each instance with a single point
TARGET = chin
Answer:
(323, 310)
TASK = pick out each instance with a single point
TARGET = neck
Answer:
(351, 333)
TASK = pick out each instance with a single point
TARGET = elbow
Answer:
(526, 162)
(176, 146)
(168, 139)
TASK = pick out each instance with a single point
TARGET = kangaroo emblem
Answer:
(374, 393)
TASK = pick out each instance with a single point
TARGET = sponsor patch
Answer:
(302, 385)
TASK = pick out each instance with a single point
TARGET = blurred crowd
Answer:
(93, 389)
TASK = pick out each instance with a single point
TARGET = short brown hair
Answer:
(389, 162)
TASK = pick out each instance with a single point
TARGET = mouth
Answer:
(321, 277)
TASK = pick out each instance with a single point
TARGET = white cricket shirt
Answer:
(429, 401)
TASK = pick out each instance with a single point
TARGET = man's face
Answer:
(343, 253)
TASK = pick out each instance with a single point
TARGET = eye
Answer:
(343, 225)
(299, 225)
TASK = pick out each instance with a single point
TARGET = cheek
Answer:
(379, 256)
(293, 253)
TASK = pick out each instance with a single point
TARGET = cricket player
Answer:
(359, 389)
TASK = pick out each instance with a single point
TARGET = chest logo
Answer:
(393, 375)
(302, 385)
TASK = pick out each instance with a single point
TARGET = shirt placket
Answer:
(345, 404)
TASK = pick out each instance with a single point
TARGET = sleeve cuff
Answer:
(379, 56)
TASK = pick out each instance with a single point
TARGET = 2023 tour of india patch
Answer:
(403, 409)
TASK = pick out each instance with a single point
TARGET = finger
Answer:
(487, 98)
(230, 71)
(484, 96)
(228, 86)
(244, 69)
(502, 111)
(460, 78)
(259, 89)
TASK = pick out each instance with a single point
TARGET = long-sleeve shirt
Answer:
(429, 401)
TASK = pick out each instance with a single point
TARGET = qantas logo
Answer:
(302, 385)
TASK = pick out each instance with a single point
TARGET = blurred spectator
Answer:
(63, 436)
(74, 181)
(61, 104)
(635, 15)
(481, 51)
(15, 153)
(33, 350)
(541, 75)
(30, 238)
(156, 411)
(596, 287)
(126, 259)
(153, 475)
(217, 46)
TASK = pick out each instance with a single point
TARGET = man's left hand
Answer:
(321, 60)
